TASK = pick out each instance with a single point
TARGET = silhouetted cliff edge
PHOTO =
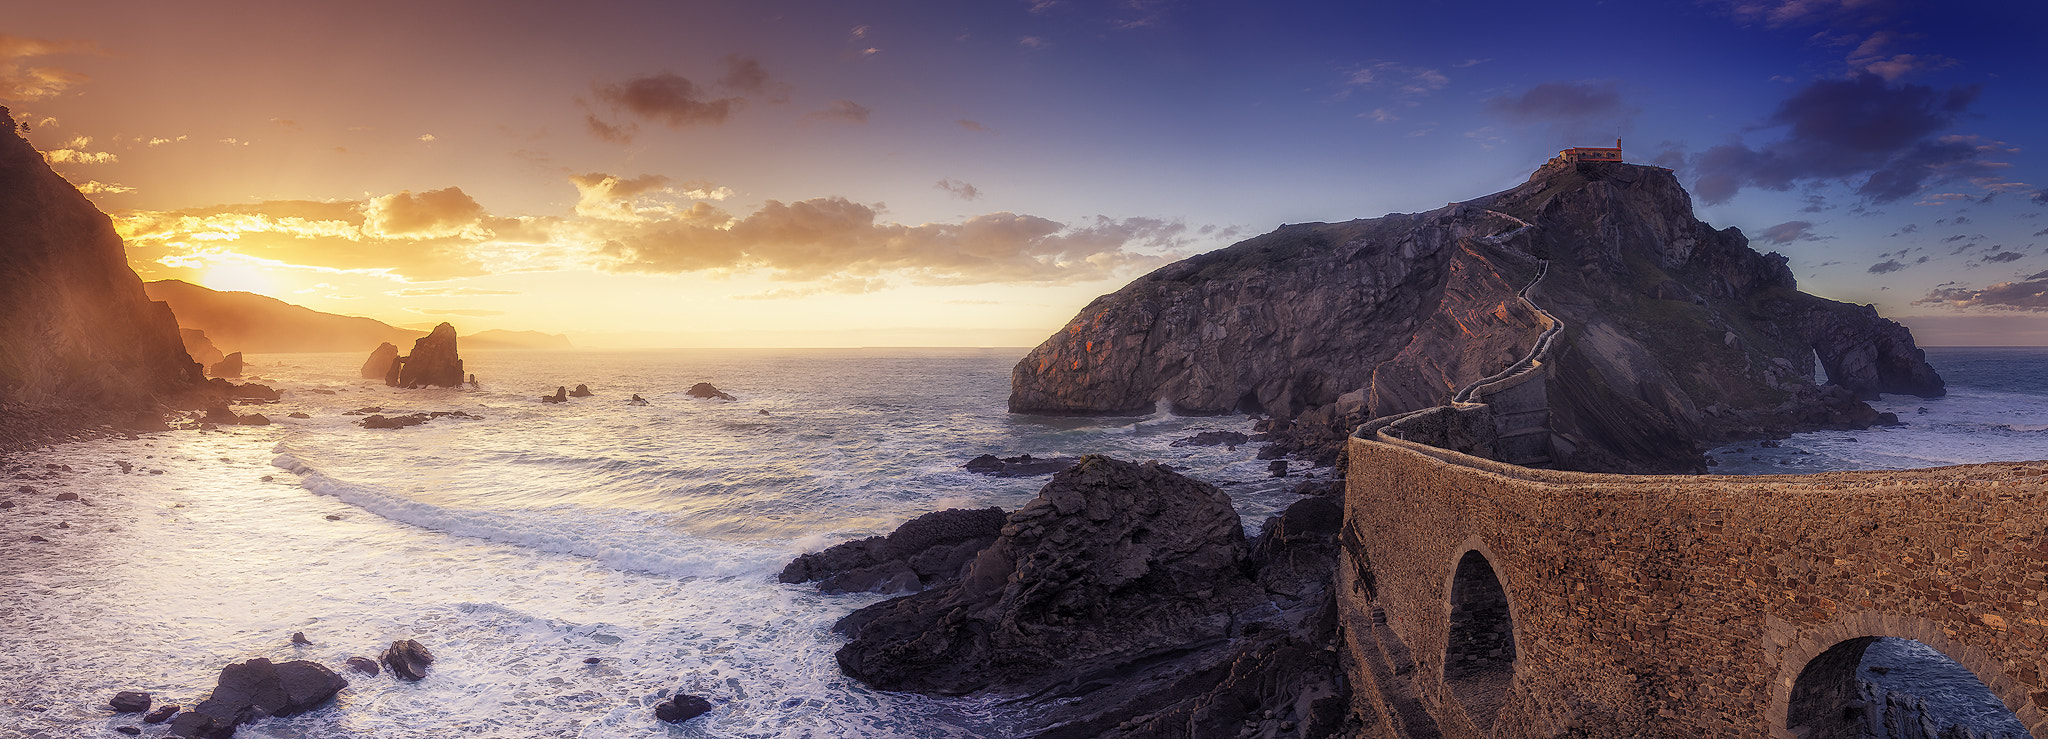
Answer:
(78, 338)
(1675, 333)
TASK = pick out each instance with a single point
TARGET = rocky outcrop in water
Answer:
(255, 689)
(1022, 465)
(706, 391)
(200, 347)
(433, 361)
(82, 342)
(229, 366)
(408, 659)
(1663, 316)
(1122, 601)
(1109, 563)
(923, 551)
(382, 361)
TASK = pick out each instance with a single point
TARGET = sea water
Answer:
(1996, 410)
(518, 544)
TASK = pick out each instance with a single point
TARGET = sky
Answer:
(908, 173)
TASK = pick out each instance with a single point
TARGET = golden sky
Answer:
(783, 173)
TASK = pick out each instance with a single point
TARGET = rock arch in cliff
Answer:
(1479, 655)
(1838, 694)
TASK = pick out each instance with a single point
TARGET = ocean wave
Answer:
(636, 541)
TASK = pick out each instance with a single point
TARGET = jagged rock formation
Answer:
(200, 347)
(1329, 325)
(1111, 560)
(255, 689)
(923, 551)
(80, 337)
(1122, 601)
(382, 360)
(433, 362)
(229, 366)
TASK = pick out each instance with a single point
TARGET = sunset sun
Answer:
(238, 277)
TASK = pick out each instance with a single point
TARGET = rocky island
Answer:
(1675, 333)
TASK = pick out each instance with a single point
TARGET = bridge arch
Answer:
(1480, 654)
(1818, 672)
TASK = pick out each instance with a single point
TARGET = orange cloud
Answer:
(21, 82)
(434, 213)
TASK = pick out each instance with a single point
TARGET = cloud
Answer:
(977, 127)
(833, 286)
(668, 99)
(611, 198)
(614, 133)
(1781, 13)
(813, 238)
(76, 156)
(1846, 129)
(95, 187)
(1560, 102)
(446, 292)
(2030, 294)
(743, 74)
(2003, 257)
(430, 214)
(1889, 265)
(2040, 197)
(840, 111)
(959, 189)
(472, 312)
(1033, 42)
(20, 82)
(311, 235)
(1788, 232)
(1406, 80)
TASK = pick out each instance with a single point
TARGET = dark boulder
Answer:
(924, 551)
(230, 366)
(1212, 438)
(561, 396)
(411, 419)
(363, 665)
(254, 689)
(161, 714)
(253, 419)
(219, 413)
(129, 701)
(66, 496)
(381, 361)
(296, 414)
(1022, 465)
(433, 361)
(1110, 563)
(705, 390)
(637, 400)
(408, 659)
(581, 391)
(682, 708)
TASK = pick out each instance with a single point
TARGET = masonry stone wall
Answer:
(1680, 606)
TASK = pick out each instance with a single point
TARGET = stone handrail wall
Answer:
(1684, 606)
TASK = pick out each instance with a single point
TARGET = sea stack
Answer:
(433, 361)
(229, 366)
(382, 360)
(200, 347)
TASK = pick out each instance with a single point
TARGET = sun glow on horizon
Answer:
(237, 276)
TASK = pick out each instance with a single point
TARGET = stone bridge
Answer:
(1491, 600)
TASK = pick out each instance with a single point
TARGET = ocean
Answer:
(518, 544)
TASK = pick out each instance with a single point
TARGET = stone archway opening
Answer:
(1875, 687)
(1479, 658)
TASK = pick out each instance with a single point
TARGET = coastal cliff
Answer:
(1676, 333)
(81, 338)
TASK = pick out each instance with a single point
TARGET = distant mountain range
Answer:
(259, 324)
